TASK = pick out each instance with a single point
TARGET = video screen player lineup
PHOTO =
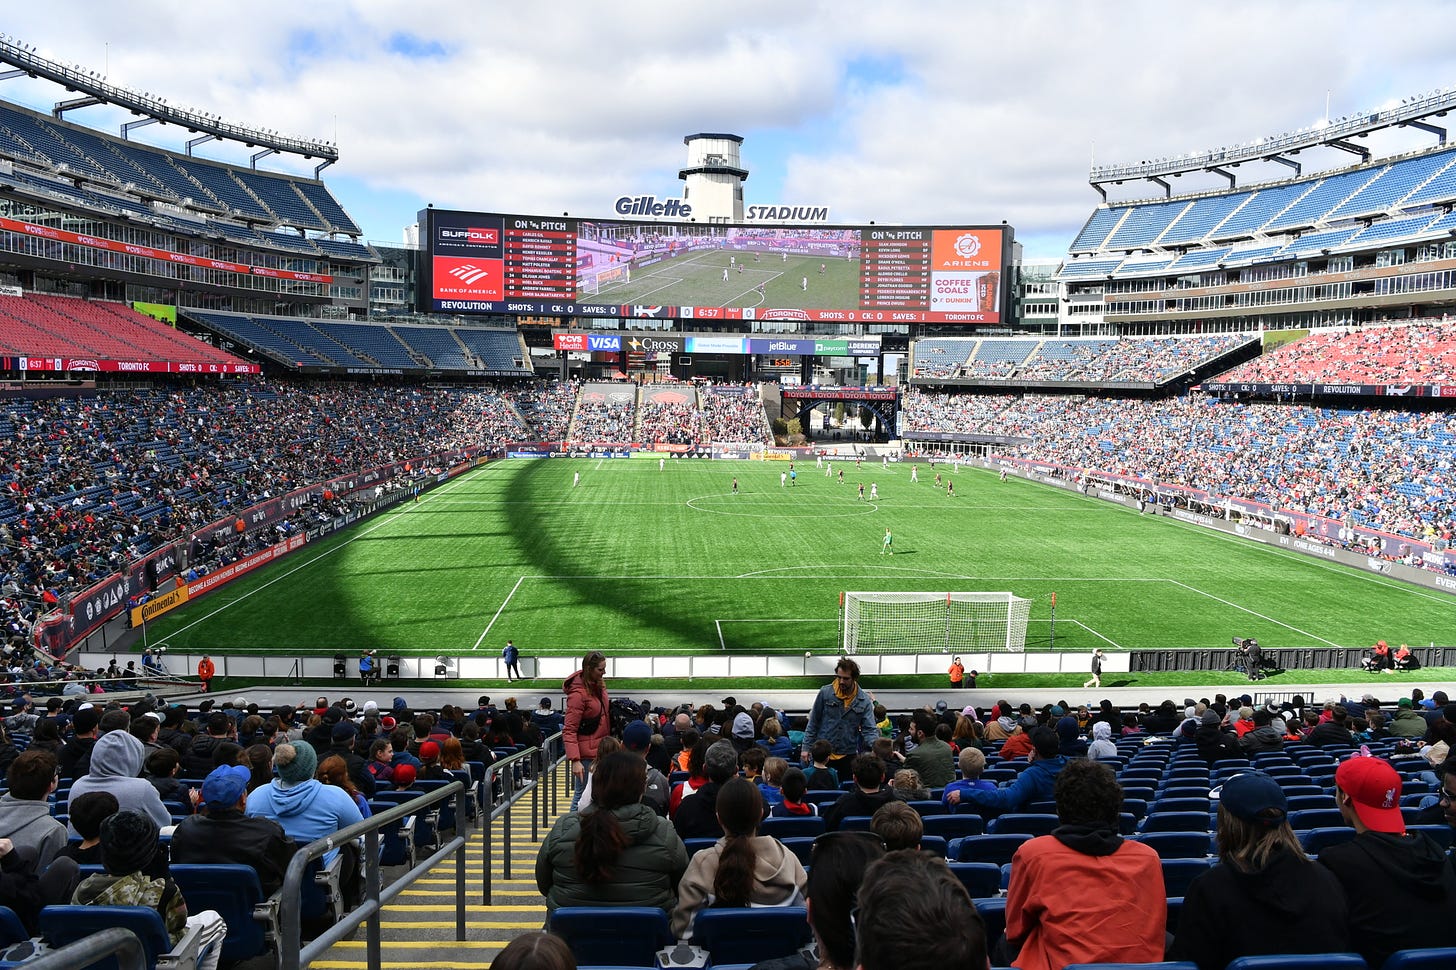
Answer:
(476, 262)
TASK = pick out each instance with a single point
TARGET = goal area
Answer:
(884, 622)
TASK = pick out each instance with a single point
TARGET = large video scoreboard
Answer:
(480, 262)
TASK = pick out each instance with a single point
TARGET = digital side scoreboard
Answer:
(482, 262)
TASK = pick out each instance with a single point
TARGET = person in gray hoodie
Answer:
(25, 816)
(116, 767)
(741, 869)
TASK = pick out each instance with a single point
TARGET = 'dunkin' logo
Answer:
(967, 245)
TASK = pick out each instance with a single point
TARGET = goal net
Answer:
(933, 622)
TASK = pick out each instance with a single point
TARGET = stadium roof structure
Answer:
(1410, 113)
(95, 89)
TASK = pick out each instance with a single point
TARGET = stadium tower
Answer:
(714, 177)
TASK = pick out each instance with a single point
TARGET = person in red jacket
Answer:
(587, 717)
(205, 670)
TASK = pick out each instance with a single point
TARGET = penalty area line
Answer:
(504, 603)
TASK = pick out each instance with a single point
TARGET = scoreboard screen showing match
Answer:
(478, 262)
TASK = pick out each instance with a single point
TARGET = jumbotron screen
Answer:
(480, 262)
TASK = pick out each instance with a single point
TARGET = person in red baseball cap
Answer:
(1400, 887)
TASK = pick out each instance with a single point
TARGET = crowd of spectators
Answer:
(1121, 360)
(667, 418)
(1389, 470)
(245, 785)
(735, 413)
(1423, 352)
(604, 420)
(737, 772)
(546, 407)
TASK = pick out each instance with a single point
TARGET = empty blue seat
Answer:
(953, 826)
(1316, 841)
(1018, 823)
(1436, 958)
(623, 936)
(795, 827)
(1315, 818)
(997, 849)
(61, 925)
(1176, 822)
(981, 879)
(235, 893)
(1300, 961)
(751, 935)
(1177, 845)
(1178, 874)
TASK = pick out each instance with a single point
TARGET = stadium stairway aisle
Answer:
(418, 928)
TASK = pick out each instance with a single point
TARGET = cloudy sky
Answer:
(912, 112)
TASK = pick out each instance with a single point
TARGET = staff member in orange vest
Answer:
(205, 670)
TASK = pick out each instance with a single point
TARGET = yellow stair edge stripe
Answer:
(425, 944)
(471, 908)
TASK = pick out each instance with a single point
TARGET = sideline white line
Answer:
(388, 520)
(504, 604)
(1244, 609)
(1339, 569)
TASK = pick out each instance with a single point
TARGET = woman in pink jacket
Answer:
(587, 717)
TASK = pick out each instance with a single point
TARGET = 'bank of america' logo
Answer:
(468, 274)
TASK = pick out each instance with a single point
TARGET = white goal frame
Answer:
(933, 622)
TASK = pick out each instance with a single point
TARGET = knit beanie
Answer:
(128, 842)
(296, 763)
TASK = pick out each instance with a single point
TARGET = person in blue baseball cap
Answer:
(1243, 906)
(223, 834)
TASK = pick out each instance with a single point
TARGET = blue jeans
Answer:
(577, 786)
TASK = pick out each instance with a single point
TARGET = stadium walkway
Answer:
(418, 928)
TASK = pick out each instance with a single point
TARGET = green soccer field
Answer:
(638, 560)
(697, 280)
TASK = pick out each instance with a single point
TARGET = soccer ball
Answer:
(808, 654)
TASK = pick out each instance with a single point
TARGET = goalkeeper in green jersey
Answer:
(888, 546)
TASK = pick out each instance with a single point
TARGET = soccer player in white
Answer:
(914, 473)
(874, 491)
(725, 274)
(661, 464)
(783, 479)
(819, 461)
(829, 469)
(575, 479)
(804, 283)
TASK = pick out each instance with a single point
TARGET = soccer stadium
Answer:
(319, 556)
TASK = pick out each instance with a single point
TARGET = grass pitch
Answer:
(638, 560)
(697, 280)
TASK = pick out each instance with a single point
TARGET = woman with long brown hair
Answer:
(743, 868)
(587, 717)
(1265, 896)
(618, 852)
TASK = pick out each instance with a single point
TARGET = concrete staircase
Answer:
(418, 928)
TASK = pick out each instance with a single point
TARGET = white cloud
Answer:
(931, 112)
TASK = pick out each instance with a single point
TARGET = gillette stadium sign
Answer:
(653, 207)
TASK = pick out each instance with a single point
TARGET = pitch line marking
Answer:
(1262, 616)
(1340, 570)
(387, 520)
(504, 603)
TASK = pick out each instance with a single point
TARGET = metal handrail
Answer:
(509, 796)
(292, 955)
(114, 941)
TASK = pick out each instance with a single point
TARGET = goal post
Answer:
(925, 622)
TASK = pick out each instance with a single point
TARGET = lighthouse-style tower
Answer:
(713, 179)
